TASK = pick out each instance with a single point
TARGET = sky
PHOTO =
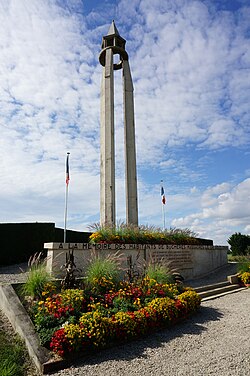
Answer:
(190, 63)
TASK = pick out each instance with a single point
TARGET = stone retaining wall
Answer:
(190, 260)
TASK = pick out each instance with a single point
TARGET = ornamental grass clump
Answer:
(102, 273)
(159, 272)
(36, 281)
(38, 277)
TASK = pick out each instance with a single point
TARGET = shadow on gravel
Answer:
(135, 349)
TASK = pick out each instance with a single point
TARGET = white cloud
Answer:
(226, 209)
(184, 73)
(247, 229)
(191, 68)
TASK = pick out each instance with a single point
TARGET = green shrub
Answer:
(243, 267)
(239, 243)
(239, 258)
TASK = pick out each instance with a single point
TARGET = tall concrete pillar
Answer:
(113, 44)
(107, 180)
(130, 150)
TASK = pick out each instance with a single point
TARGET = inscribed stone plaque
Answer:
(179, 258)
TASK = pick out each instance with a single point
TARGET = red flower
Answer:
(60, 343)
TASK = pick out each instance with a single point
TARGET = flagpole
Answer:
(66, 198)
(163, 216)
(163, 205)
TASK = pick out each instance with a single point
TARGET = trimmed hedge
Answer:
(21, 240)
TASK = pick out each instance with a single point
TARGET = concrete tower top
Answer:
(114, 41)
(113, 29)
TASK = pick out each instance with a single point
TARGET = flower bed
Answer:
(129, 234)
(102, 314)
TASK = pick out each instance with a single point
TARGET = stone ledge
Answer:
(190, 260)
(233, 279)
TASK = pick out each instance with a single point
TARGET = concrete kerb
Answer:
(11, 306)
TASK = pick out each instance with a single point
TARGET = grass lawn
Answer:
(13, 356)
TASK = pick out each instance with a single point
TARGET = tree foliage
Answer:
(239, 243)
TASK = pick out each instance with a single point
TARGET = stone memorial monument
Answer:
(191, 260)
(114, 44)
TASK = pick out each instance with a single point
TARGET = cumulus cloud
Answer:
(190, 63)
(226, 209)
(191, 78)
(231, 205)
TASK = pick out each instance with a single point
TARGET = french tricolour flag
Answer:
(67, 169)
(163, 197)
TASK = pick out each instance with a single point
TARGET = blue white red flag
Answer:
(67, 169)
(163, 197)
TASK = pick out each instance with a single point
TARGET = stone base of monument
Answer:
(191, 261)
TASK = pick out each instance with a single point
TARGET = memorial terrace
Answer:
(190, 260)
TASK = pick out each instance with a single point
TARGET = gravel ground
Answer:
(13, 273)
(215, 341)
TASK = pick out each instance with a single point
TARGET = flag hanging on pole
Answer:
(163, 197)
(67, 169)
(163, 201)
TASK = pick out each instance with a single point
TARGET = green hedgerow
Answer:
(243, 267)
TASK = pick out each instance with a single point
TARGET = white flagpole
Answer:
(66, 197)
(163, 207)
(163, 216)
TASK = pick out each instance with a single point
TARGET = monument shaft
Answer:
(113, 44)
(130, 151)
(107, 182)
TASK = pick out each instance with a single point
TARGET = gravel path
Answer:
(215, 341)
(13, 273)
